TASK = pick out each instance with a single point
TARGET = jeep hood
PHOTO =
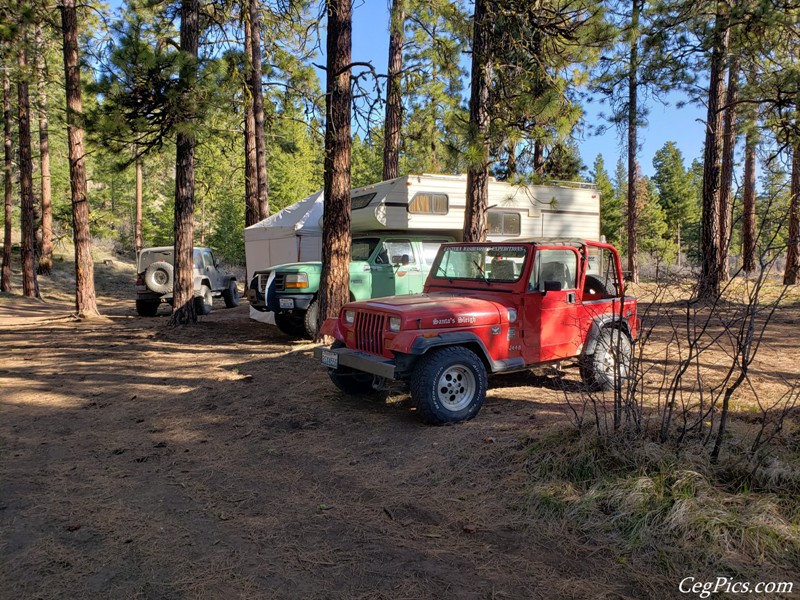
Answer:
(437, 310)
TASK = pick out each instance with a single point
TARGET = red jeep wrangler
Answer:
(488, 308)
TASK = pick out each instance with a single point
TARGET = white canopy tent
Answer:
(293, 234)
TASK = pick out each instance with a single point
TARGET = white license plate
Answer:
(330, 359)
(286, 303)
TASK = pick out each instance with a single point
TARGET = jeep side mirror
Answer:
(552, 286)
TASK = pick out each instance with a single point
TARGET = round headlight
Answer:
(394, 323)
(512, 315)
(349, 317)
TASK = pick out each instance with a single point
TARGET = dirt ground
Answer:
(218, 461)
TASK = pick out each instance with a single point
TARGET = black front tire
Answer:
(290, 325)
(611, 359)
(204, 303)
(231, 295)
(147, 308)
(448, 385)
(350, 381)
(310, 319)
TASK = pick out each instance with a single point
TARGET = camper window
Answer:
(427, 203)
(504, 223)
(361, 201)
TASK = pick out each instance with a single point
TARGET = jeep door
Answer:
(551, 326)
(210, 270)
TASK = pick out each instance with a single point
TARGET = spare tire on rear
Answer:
(159, 277)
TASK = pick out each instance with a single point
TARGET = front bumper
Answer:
(360, 361)
(279, 302)
(256, 300)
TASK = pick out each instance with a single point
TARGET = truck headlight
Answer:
(296, 281)
(394, 323)
(512, 315)
(349, 317)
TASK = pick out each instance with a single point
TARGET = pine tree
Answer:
(85, 302)
(675, 192)
(335, 279)
(393, 119)
(30, 286)
(5, 271)
(183, 309)
(610, 204)
(46, 256)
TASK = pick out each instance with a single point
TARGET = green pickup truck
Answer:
(384, 264)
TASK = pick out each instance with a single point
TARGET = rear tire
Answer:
(147, 308)
(310, 319)
(611, 358)
(350, 381)
(231, 295)
(448, 385)
(204, 302)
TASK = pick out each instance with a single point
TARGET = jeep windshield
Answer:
(480, 263)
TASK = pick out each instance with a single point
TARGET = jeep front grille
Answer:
(262, 282)
(369, 329)
(280, 280)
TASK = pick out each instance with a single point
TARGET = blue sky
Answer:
(666, 123)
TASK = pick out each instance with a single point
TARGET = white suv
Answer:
(156, 277)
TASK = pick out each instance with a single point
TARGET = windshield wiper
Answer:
(480, 270)
(440, 271)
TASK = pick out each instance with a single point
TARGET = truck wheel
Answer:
(290, 325)
(310, 319)
(350, 381)
(231, 295)
(448, 385)
(204, 302)
(147, 308)
(158, 277)
(612, 357)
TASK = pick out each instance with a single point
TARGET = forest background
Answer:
(581, 87)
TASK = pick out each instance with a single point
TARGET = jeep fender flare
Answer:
(467, 339)
(599, 323)
(198, 281)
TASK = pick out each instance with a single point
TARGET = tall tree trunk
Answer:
(793, 249)
(5, 272)
(633, 145)
(252, 210)
(726, 174)
(711, 251)
(30, 286)
(749, 220)
(137, 237)
(511, 161)
(391, 128)
(183, 290)
(258, 110)
(46, 257)
(478, 174)
(335, 281)
(538, 158)
(85, 300)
